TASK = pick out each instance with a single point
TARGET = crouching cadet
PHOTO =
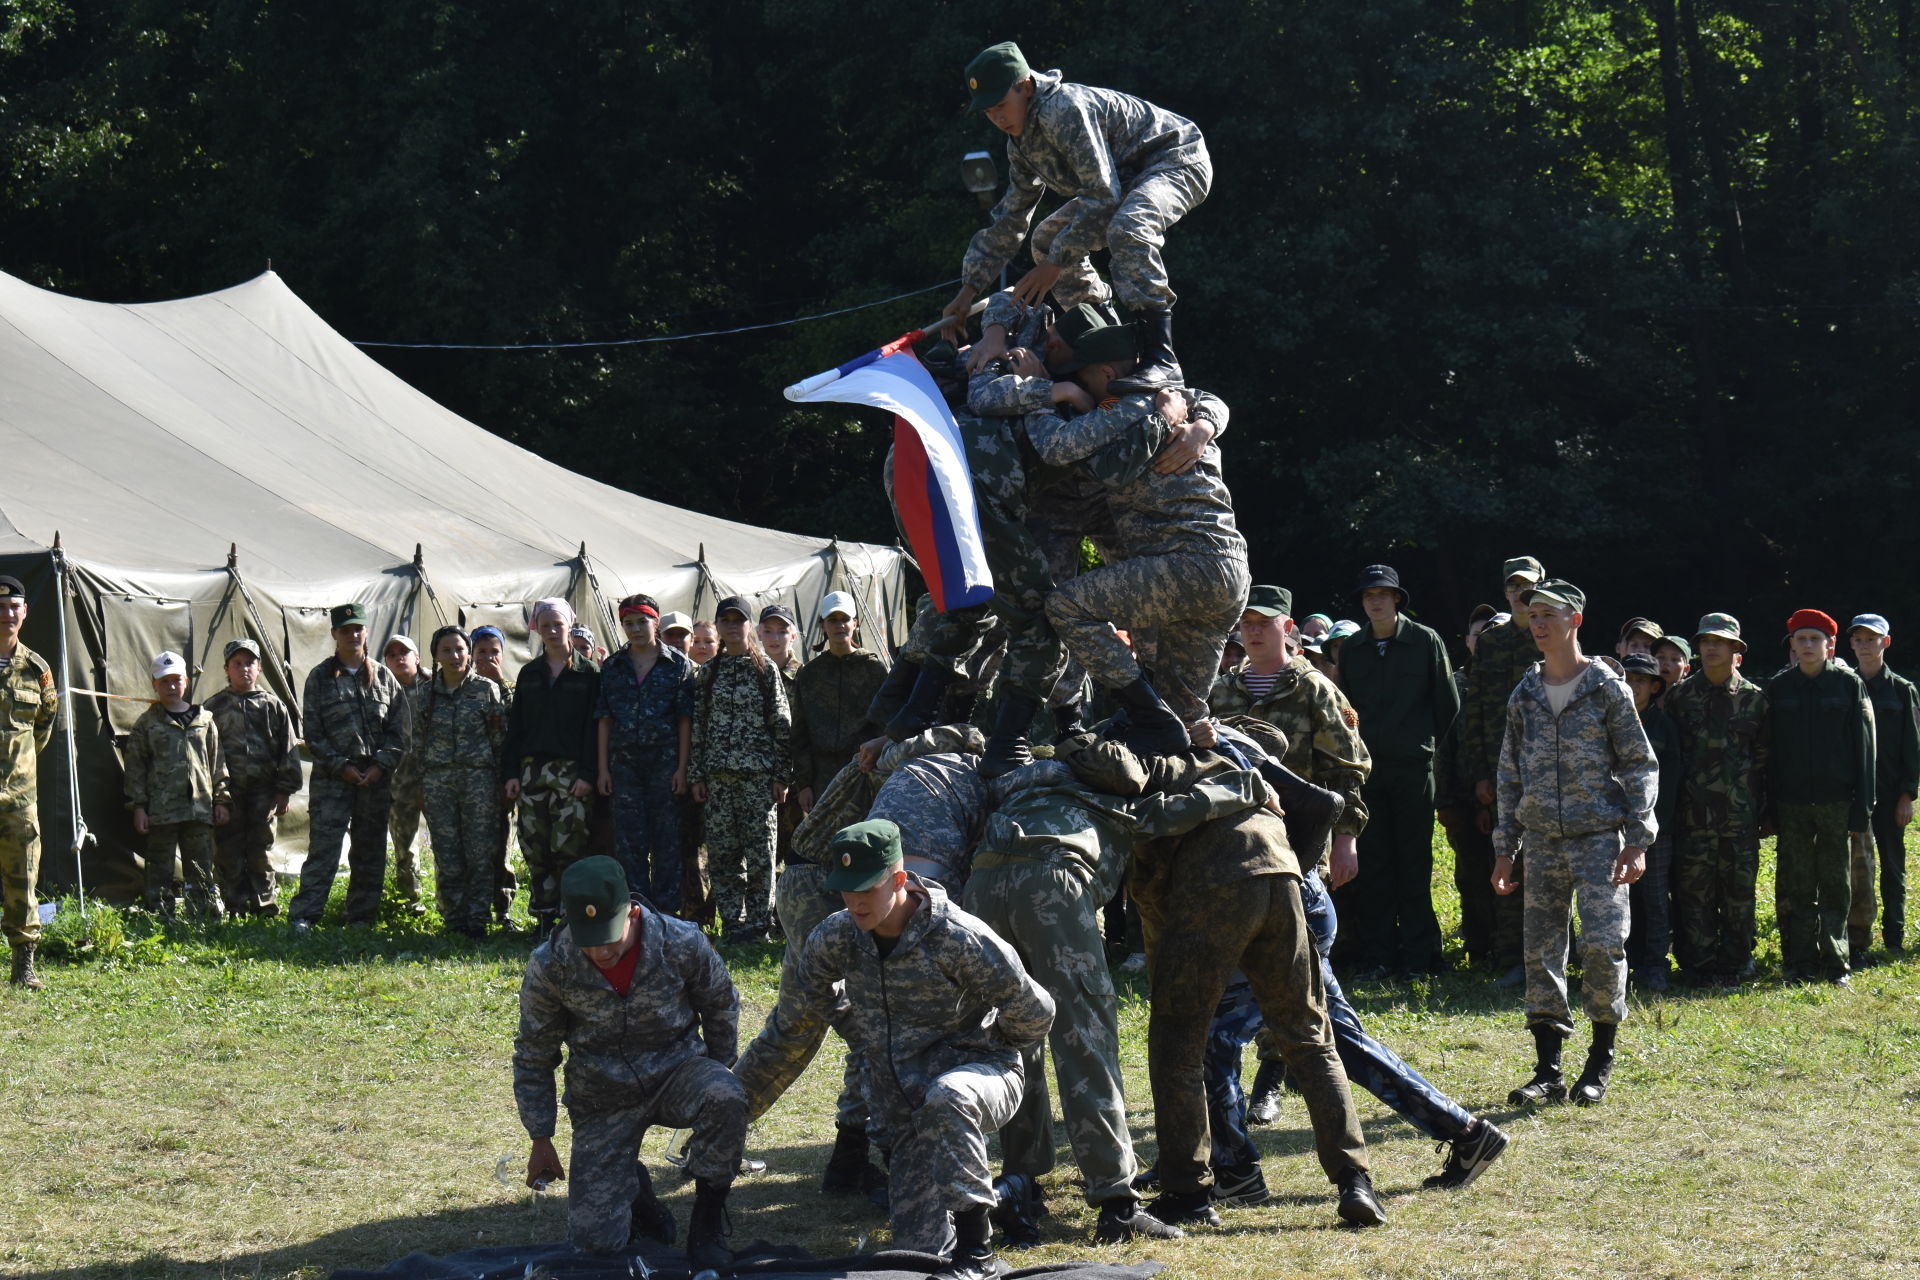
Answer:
(650, 1021)
(942, 1011)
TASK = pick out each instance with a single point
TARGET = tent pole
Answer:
(607, 619)
(259, 623)
(81, 836)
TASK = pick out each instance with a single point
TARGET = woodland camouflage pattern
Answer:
(458, 735)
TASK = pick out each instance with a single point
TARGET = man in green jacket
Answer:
(1396, 674)
(1896, 724)
(1821, 725)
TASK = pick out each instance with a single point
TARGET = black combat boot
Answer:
(651, 1220)
(1548, 1084)
(1069, 718)
(709, 1227)
(23, 974)
(1185, 1209)
(972, 1247)
(1309, 811)
(1157, 370)
(1017, 1206)
(849, 1171)
(1359, 1206)
(1152, 728)
(1007, 744)
(1591, 1087)
(893, 691)
(922, 708)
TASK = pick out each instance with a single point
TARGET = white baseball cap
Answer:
(405, 642)
(169, 663)
(838, 602)
(670, 621)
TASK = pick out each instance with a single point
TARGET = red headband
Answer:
(628, 610)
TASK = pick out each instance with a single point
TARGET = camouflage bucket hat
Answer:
(1723, 625)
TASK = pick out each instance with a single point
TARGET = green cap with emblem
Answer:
(1078, 322)
(350, 615)
(1723, 625)
(861, 855)
(1556, 591)
(1273, 602)
(594, 892)
(1522, 567)
(1678, 642)
(1108, 344)
(993, 73)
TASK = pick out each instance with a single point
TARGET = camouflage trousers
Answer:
(504, 882)
(1135, 235)
(242, 861)
(1050, 915)
(403, 826)
(1560, 872)
(1199, 939)
(180, 854)
(602, 1174)
(937, 1164)
(1887, 840)
(553, 830)
(740, 841)
(20, 874)
(1189, 602)
(1713, 890)
(333, 810)
(1650, 900)
(802, 901)
(1812, 889)
(646, 823)
(463, 819)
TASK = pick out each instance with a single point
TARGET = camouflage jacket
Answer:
(850, 793)
(353, 719)
(830, 699)
(1822, 734)
(993, 394)
(1079, 142)
(460, 728)
(175, 773)
(645, 714)
(1501, 657)
(1322, 729)
(257, 741)
(1896, 728)
(407, 776)
(950, 992)
(681, 1005)
(1586, 770)
(1724, 754)
(32, 703)
(939, 801)
(740, 720)
(1154, 514)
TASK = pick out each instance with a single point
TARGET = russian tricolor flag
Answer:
(932, 489)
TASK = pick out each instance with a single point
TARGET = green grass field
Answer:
(238, 1102)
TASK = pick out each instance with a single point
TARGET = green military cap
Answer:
(349, 615)
(1556, 591)
(1724, 625)
(1108, 344)
(235, 646)
(11, 587)
(1522, 567)
(594, 892)
(861, 855)
(993, 73)
(1645, 626)
(1080, 321)
(1274, 602)
(1678, 642)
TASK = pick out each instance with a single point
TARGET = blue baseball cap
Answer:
(1872, 622)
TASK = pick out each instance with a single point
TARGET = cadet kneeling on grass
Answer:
(651, 1021)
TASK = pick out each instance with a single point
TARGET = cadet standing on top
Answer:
(1128, 171)
(263, 772)
(32, 704)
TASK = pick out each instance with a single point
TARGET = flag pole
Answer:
(807, 386)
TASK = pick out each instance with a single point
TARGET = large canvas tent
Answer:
(180, 473)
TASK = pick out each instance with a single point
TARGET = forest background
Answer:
(1630, 287)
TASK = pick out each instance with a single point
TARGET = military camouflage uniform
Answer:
(1500, 658)
(504, 882)
(1458, 810)
(1573, 790)
(742, 745)
(939, 801)
(32, 704)
(643, 754)
(458, 735)
(1053, 853)
(263, 764)
(409, 806)
(1182, 579)
(176, 773)
(941, 1022)
(552, 743)
(1127, 169)
(656, 1056)
(1724, 751)
(829, 700)
(360, 720)
(1897, 768)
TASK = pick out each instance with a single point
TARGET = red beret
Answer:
(1812, 620)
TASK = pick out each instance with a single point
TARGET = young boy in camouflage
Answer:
(32, 702)
(263, 773)
(1577, 781)
(459, 720)
(1897, 779)
(176, 783)
(1651, 900)
(401, 656)
(1128, 171)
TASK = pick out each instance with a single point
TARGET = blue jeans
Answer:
(1368, 1063)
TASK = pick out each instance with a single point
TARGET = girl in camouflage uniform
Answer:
(459, 726)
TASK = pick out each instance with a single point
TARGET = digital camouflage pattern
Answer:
(1564, 872)
(741, 831)
(742, 743)
(643, 754)
(939, 801)
(802, 901)
(263, 763)
(830, 697)
(1127, 169)
(458, 735)
(356, 719)
(941, 1023)
(1589, 770)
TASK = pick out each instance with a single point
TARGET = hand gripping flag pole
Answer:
(932, 488)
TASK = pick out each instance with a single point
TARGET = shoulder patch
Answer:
(46, 679)
(1351, 716)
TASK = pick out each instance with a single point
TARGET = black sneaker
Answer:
(1185, 1209)
(1263, 1101)
(1468, 1156)
(1148, 1179)
(1359, 1207)
(1240, 1186)
(1123, 1220)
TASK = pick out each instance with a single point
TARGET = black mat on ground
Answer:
(758, 1261)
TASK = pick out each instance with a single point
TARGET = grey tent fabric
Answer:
(229, 465)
